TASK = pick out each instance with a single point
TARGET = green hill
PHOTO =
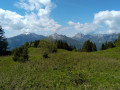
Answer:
(62, 70)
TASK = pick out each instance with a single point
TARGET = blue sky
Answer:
(66, 17)
(82, 10)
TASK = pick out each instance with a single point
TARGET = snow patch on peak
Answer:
(79, 35)
(56, 36)
(26, 33)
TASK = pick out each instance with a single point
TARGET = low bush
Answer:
(21, 54)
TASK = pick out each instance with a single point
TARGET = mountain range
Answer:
(21, 39)
(77, 40)
(98, 39)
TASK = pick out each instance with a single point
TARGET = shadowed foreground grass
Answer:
(62, 70)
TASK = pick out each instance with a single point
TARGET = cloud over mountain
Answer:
(104, 22)
(37, 17)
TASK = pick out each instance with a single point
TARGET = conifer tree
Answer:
(3, 42)
(94, 48)
(87, 47)
(102, 47)
(106, 45)
(36, 43)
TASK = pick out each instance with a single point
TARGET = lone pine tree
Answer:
(3, 42)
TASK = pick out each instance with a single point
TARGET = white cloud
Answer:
(84, 28)
(107, 20)
(33, 4)
(37, 17)
(11, 20)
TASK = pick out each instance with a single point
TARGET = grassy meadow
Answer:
(63, 70)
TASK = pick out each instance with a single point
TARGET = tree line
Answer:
(59, 44)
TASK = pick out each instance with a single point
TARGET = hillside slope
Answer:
(62, 70)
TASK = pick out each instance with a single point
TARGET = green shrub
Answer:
(21, 54)
(45, 55)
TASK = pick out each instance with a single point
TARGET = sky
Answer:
(67, 17)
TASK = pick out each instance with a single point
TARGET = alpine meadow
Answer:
(59, 45)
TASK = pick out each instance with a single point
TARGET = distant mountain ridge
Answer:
(98, 39)
(66, 39)
(21, 39)
(77, 40)
(107, 37)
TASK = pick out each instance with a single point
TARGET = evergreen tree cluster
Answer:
(110, 44)
(64, 45)
(88, 47)
(107, 45)
(52, 45)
